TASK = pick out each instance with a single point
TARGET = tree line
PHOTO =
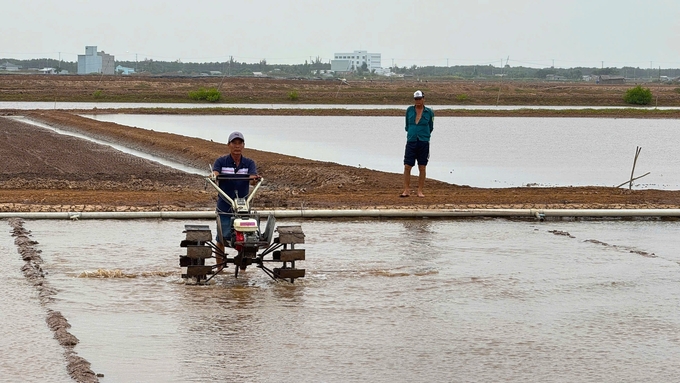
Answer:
(316, 68)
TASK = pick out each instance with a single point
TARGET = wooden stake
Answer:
(636, 178)
(638, 149)
(637, 153)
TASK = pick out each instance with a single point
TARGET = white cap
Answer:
(418, 94)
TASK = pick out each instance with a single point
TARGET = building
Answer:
(8, 66)
(341, 66)
(124, 70)
(95, 62)
(607, 79)
(348, 62)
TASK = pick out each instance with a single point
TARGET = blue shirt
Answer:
(226, 166)
(420, 131)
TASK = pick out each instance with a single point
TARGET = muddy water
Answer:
(29, 351)
(383, 301)
(477, 151)
(119, 105)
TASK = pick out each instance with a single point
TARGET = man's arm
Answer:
(406, 124)
(252, 172)
(431, 121)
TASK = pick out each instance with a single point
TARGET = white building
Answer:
(347, 62)
(124, 70)
(95, 62)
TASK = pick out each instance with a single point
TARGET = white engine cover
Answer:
(245, 225)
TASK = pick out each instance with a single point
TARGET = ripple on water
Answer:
(488, 300)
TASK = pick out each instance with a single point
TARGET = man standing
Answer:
(419, 126)
(242, 169)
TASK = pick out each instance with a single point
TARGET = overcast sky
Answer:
(591, 33)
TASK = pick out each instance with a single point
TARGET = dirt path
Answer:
(75, 175)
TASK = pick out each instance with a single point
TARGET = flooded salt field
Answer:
(120, 105)
(383, 301)
(476, 151)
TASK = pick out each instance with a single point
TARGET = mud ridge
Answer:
(77, 367)
(559, 232)
(624, 248)
(605, 244)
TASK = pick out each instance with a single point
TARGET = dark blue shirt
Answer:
(226, 166)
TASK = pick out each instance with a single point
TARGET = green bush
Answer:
(293, 95)
(98, 94)
(638, 96)
(462, 97)
(210, 94)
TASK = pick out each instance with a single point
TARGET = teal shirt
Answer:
(420, 131)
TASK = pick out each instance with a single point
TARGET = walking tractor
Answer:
(241, 232)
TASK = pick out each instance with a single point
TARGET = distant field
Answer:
(262, 90)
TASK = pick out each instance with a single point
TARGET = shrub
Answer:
(293, 95)
(638, 96)
(462, 97)
(211, 95)
(98, 94)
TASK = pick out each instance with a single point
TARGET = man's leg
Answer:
(225, 225)
(407, 180)
(421, 180)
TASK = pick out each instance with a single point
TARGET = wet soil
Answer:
(46, 171)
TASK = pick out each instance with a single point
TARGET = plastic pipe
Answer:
(387, 213)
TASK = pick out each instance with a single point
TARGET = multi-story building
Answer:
(95, 62)
(348, 62)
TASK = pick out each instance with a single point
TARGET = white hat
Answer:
(418, 94)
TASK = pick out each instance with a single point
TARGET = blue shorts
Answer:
(417, 150)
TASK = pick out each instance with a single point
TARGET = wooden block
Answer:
(291, 255)
(198, 233)
(290, 234)
(196, 227)
(186, 243)
(198, 271)
(199, 252)
(289, 273)
(184, 261)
